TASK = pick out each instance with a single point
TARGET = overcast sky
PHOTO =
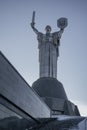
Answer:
(19, 44)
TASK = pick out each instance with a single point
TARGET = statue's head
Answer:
(48, 29)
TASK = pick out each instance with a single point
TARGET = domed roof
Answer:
(49, 87)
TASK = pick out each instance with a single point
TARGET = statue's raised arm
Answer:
(62, 24)
(33, 23)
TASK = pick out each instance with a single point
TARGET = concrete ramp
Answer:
(16, 95)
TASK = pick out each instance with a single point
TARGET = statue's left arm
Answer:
(60, 32)
(57, 37)
(62, 24)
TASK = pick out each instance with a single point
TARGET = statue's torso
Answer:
(49, 38)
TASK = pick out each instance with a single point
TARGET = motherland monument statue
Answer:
(48, 45)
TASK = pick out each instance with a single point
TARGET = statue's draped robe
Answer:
(48, 53)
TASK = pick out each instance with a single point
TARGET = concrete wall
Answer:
(16, 90)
